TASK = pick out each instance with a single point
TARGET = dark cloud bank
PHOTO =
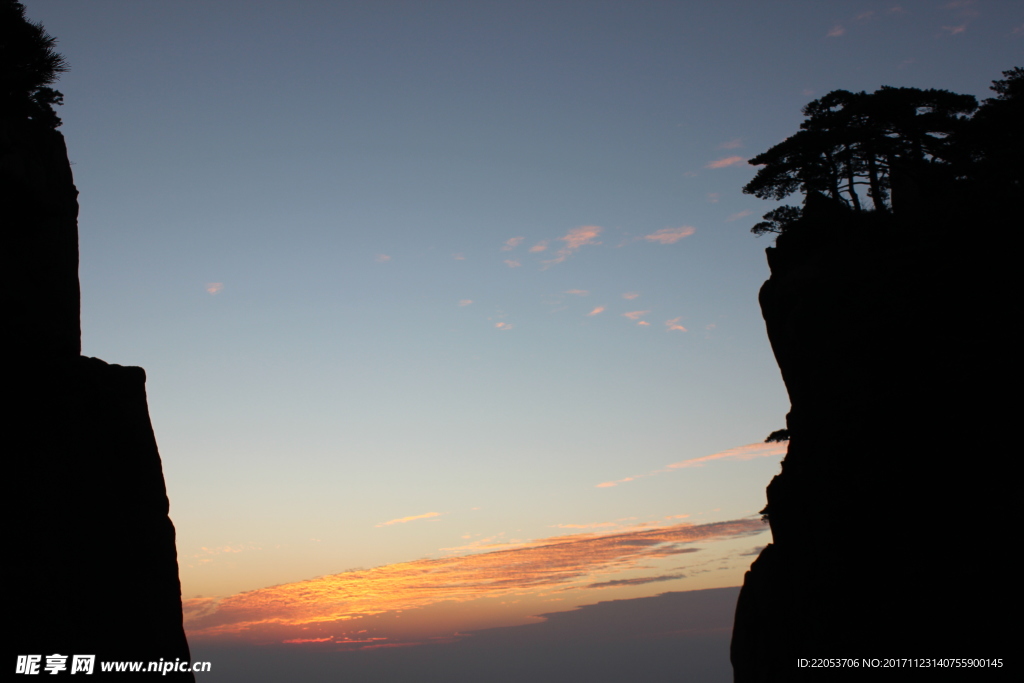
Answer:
(679, 636)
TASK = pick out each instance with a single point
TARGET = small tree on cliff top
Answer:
(28, 65)
(853, 141)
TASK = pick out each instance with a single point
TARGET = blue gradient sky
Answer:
(297, 217)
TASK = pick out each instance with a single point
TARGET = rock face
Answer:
(40, 218)
(92, 560)
(896, 341)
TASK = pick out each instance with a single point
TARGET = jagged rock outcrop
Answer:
(91, 563)
(896, 338)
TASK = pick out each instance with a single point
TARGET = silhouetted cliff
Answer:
(40, 218)
(91, 562)
(896, 337)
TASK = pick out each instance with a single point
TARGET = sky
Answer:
(449, 309)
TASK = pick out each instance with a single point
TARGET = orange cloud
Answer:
(512, 264)
(382, 258)
(289, 611)
(670, 235)
(738, 215)
(673, 324)
(727, 161)
(503, 326)
(835, 31)
(599, 309)
(465, 302)
(403, 520)
(635, 315)
(214, 287)
(732, 144)
(574, 240)
(580, 292)
(644, 323)
(630, 295)
(459, 257)
(540, 246)
(512, 243)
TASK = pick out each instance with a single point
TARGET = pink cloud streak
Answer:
(727, 161)
(748, 452)
(670, 235)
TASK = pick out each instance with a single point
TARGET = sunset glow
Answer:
(545, 566)
(449, 310)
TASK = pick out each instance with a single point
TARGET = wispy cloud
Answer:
(209, 555)
(863, 16)
(511, 263)
(465, 302)
(578, 237)
(504, 326)
(609, 484)
(459, 257)
(382, 258)
(635, 315)
(713, 197)
(214, 287)
(413, 518)
(673, 324)
(644, 323)
(511, 244)
(540, 246)
(955, 30)
(731, 144)
(578, 292)
(748, 452)
(640, 581)
(630, 295)
(574, 240)
(670, 235)
(288, 611)
(724, 162)
(835, 31)
(738, 215)
(598, 309)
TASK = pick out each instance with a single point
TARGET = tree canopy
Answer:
(850, 144)
(28, 66)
